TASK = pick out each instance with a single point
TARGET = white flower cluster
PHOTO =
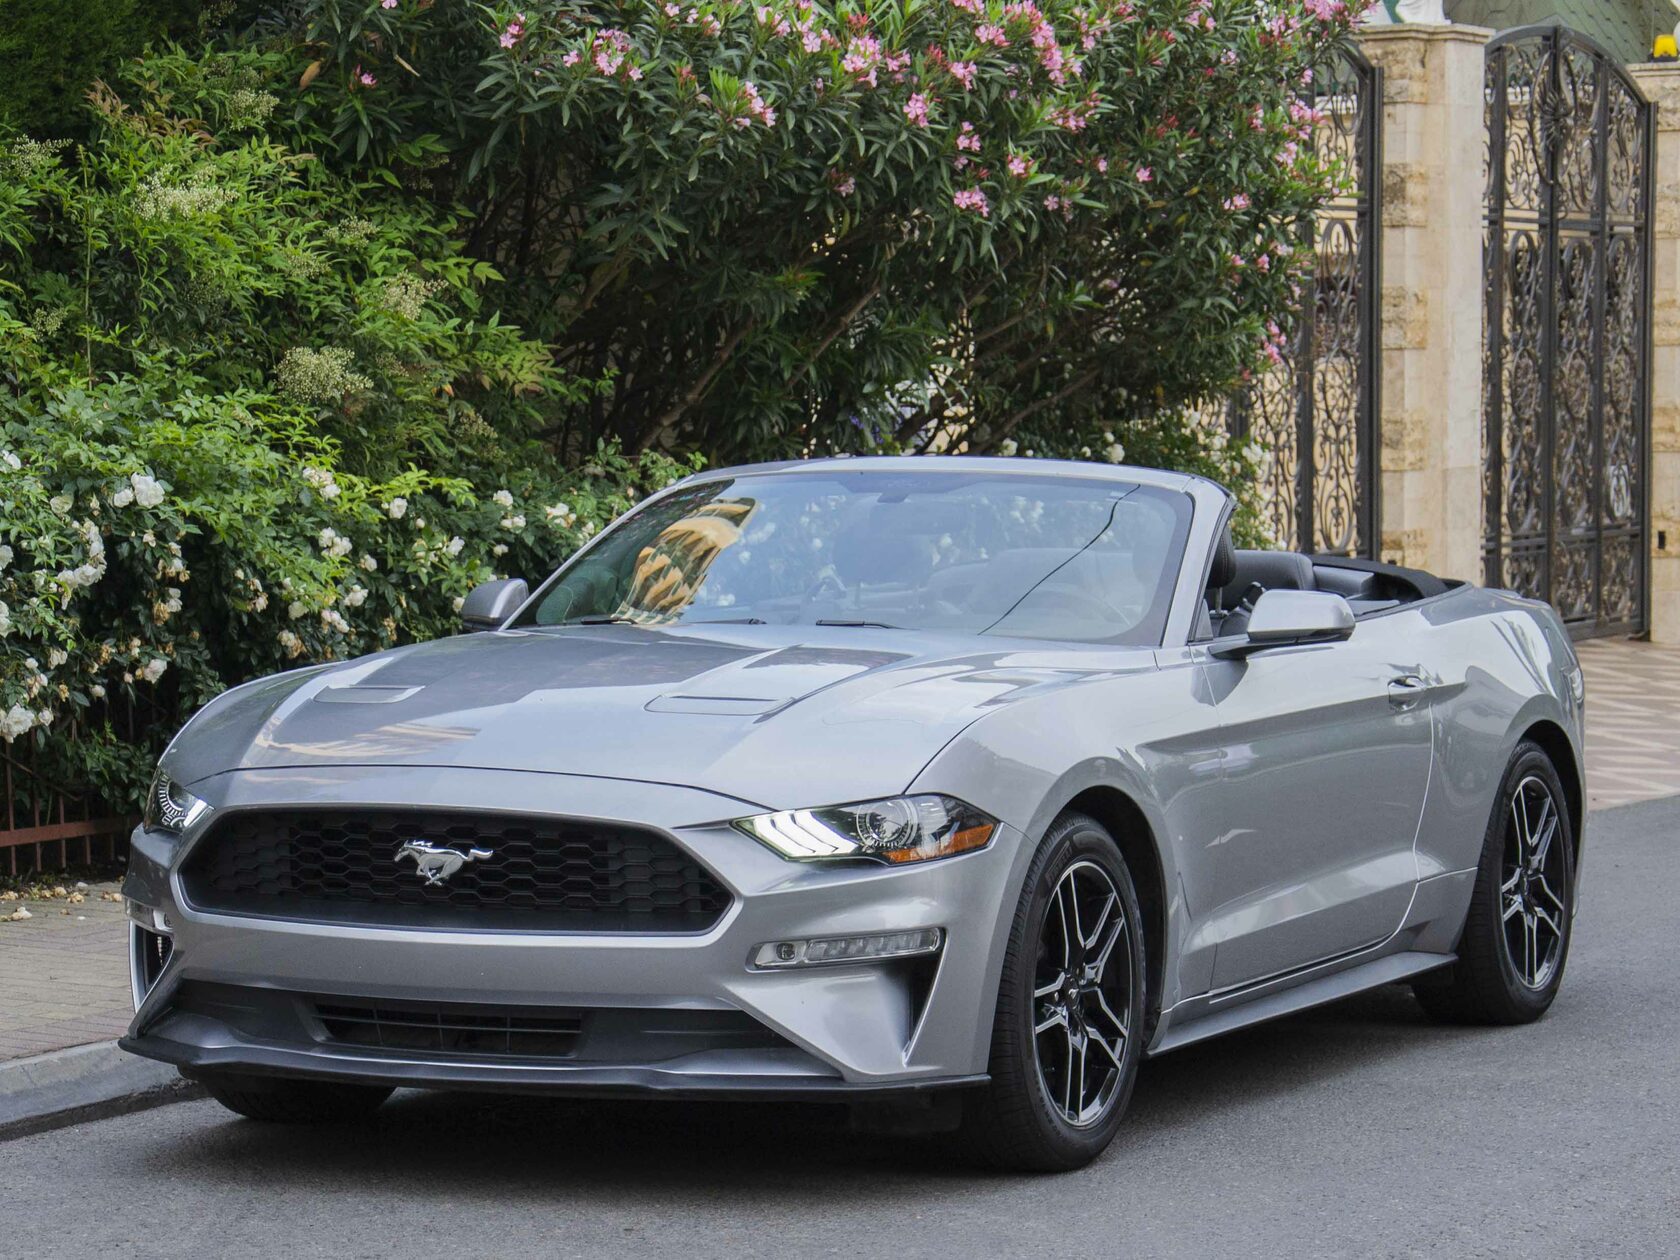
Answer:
(168, 606)
(319, 376)
(198, 196)
(323, 482)
(248, 107)
(561, 515)
(153, 669)
(514, 522)
(290, 641)
(406, 295)
(503, 498)
(333, 543)
(142, 488)
(355, 597)
(89, 572)
(396, 508)
(332, 619)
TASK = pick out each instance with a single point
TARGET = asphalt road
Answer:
(1359, 1129)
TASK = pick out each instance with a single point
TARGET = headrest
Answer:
(1224, 569)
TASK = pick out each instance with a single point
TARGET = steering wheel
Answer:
(828, 583)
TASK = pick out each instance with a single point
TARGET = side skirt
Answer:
(1341, 984)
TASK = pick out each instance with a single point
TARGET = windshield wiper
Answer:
(730, 621)
(607, 620)
(878, 625)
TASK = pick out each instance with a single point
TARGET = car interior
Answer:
(1238, 578)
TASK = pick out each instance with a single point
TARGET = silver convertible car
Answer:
(950, 786)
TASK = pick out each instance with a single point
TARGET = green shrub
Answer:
(874, 224)
(251, 416)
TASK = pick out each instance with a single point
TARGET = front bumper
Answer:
(833, 1031)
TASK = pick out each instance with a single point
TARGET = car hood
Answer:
(778, 716)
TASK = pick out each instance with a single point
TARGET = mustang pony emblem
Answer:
(435, 863)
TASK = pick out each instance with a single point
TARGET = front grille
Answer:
(527, 874)
(451, 1029)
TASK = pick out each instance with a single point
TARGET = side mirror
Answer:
(491, 603)
(1284, 618)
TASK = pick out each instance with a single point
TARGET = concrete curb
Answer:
(64, 1087)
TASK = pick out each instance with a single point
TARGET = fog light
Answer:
(845, 949)
(148, 918)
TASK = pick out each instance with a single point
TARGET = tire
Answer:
(1023, 1120)
(278, 1100)
(1515, 942)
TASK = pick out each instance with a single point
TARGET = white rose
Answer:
(97, 691)
(457, 603)
(56, 657)
(396, 507)
(260, 602)
(504, 498)
(5, 555)
(1008, 446)
(61, 503)
(1116, 453)
(11, 461)
(153, 669)
(296, 609)
(369, 563)
(455, 544)
(122, 498)
(147, 492)
(355, 596)
(500, 549)
(515, 522)
(5, 618)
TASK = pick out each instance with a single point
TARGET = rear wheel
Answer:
(1068, 1031)
(283, 1101)
(1516, 936)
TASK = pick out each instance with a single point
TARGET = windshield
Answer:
(1070, 558)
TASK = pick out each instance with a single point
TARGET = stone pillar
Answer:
(1432, 305)
(1661, 86)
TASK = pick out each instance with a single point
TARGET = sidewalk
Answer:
(64, 971)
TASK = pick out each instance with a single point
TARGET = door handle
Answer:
(1405, 691)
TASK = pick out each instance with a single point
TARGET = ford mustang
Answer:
(950, 787)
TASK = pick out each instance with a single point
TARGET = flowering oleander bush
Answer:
(796, 226)
(251, 417)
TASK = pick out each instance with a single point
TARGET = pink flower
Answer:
(362, 77)
(571, 58)
(970, 6)
(1019, 166)
(387, 4)
(987, 33)
(916, 109)
(975, 200)
(846, 187)
(1102, 166)
(1238, 202)
(963, 72)
(1145, 175)
(514, 31)
(967, 139)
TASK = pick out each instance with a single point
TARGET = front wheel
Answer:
(1516, 936)
(1068, 1030)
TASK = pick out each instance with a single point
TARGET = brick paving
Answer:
(1633, 721)
(64, 976)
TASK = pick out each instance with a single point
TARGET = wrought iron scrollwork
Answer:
(1566, 413)
(1315, 414)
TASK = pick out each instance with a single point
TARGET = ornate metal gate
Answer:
(1566, 415)
(1316, 413)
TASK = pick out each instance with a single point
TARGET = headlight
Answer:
(901, 829)
(170, 807)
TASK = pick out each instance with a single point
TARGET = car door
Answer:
(1326, 760)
